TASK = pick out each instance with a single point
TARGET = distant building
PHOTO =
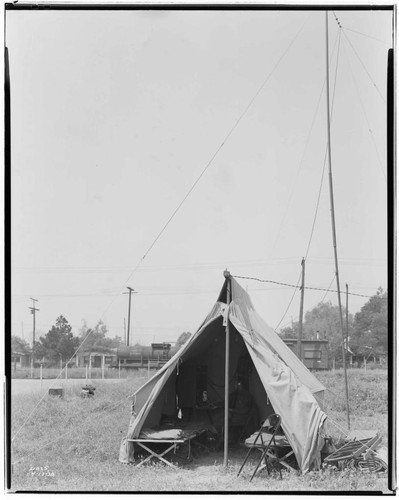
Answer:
(21, 359)
(314, 352)
(85, 358)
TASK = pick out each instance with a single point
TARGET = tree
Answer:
(370, 331)
(321, 321)
(58, 342)
(19, 345)
(289, 332)
(95, 339)
(183, 337)
(324, 321)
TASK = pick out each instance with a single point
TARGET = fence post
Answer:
(31, 368)
(41, 378)
(66, 371)
(333, 365)
(90, 366)
(119, 368)
(149, 366)
(365, 363)
(103, 366)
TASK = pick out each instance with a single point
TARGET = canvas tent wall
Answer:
(278, 381)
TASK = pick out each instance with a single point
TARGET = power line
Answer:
(196, 265)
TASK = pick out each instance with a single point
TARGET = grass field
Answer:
(74, 372)
(73, 445)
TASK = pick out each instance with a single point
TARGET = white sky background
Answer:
(116, 114)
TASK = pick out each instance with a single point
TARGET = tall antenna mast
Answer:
(333, 222)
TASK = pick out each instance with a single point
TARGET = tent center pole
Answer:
(226, 377)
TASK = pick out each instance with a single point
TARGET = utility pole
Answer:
(33, 311)
(131, 290)
(347, 316)
(299, 353)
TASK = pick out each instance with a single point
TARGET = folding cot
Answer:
(150, 439)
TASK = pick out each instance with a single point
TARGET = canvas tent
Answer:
(277, 380)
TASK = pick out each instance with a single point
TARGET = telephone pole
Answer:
(299, 344)
(131, 290)
(33, 311)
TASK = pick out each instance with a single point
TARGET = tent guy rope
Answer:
(296, 286)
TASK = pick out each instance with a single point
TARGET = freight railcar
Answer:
(134, 357)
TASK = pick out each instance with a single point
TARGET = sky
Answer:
(117, 116)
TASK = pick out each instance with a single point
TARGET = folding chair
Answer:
(250, 419)
(272, 423)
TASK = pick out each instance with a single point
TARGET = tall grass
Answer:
(78, 441)
(368, 400)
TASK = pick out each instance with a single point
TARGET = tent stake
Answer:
(226, 378)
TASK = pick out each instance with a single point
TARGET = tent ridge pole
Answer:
(226, 375)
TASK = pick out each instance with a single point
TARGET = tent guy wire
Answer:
(296, 286)
(360, 60)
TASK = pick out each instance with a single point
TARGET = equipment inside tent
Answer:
(190, 389)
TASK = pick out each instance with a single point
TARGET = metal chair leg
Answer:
(244, 462)
(263, 456)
